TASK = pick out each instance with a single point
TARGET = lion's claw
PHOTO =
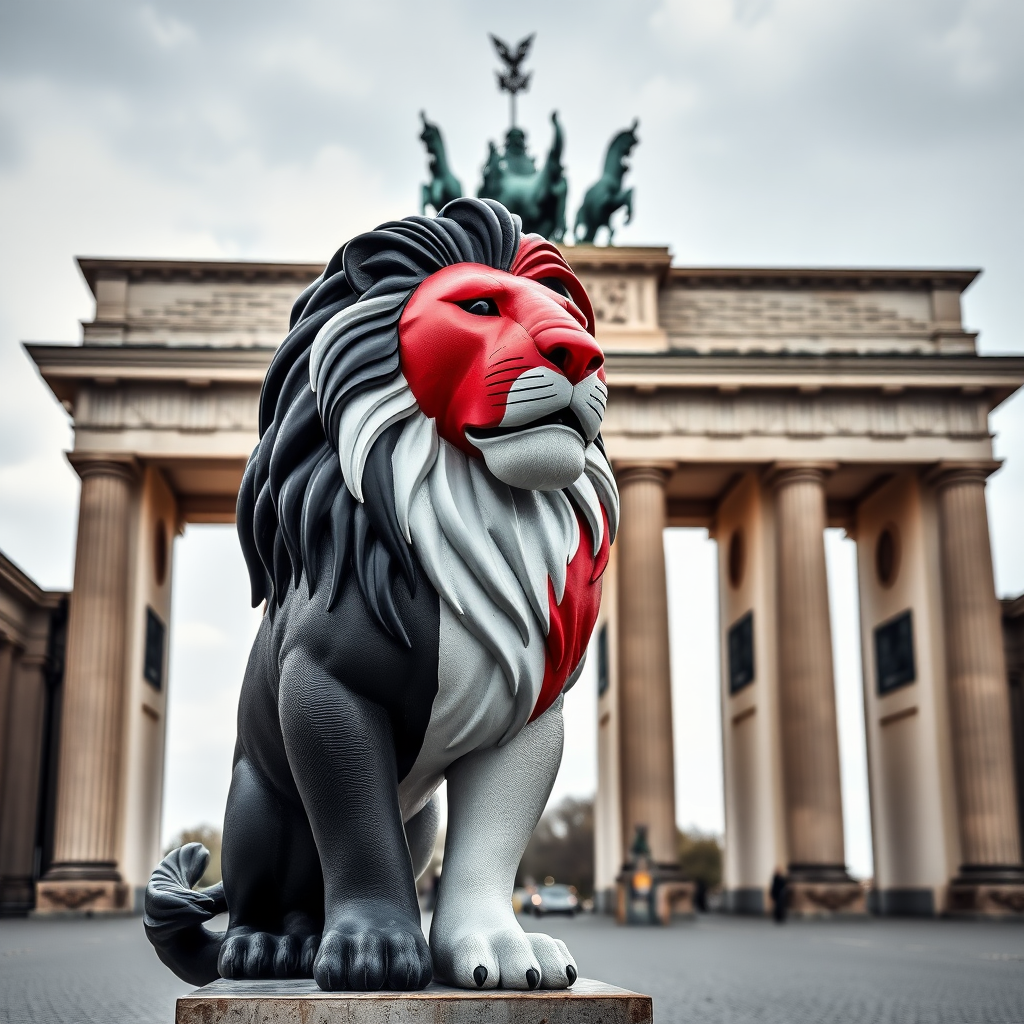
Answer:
(502, 958)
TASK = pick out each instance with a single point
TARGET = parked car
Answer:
(554, 899)
(521, 898)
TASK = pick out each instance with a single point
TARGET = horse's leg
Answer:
(559, 231)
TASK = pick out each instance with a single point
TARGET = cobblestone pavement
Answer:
(714, 969)
(730, 970)
(83, 970)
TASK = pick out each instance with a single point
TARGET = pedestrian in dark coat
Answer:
(779, 893)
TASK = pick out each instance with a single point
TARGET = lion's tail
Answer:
(175, 914)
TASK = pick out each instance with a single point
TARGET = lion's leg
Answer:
(342, 758)
(421, 834)
(495, 798)
(271, 882)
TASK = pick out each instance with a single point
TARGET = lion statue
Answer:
(427, 516)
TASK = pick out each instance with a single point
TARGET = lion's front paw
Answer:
(502, 958)
(363, 956)
(253, 954)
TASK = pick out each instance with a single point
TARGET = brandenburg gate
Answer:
(762, 404)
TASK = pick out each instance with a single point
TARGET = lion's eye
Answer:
(481, 307)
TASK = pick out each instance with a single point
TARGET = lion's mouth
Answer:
(564, 417)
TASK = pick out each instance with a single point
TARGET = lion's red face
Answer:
(492, 353)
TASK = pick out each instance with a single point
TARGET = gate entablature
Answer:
(219, 303)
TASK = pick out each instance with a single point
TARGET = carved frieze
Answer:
(791, 415)
(804, 320)
(172, 407)
(217, 313)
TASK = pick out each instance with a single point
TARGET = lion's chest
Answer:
(474, 707)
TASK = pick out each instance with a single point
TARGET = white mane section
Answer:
(488, 549)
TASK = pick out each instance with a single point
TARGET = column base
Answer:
(87, 888)
(745, 901)
(84, 898)
(17, 895)
(824, 890)
(982, 890)
(904, 902)
(654, 899)
(605, 901)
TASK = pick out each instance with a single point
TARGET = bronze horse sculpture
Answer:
(444, 187)
(607, 195)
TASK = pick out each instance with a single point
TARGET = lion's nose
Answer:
(572, 350)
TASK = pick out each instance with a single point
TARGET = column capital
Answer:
(779, 474)
(657, 471)
(104, 464)
(943, 474)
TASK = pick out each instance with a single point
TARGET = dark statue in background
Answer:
(427, 516)
(537, 196)
(444, 186)
(607, 196)
(511, 176)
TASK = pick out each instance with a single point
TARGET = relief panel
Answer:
(734, 319)
(168, 408)
(626, 311)
(791, 416)
(209, 313)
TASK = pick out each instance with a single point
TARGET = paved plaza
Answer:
(712, 969)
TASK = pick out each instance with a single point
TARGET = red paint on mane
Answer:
(572, 621)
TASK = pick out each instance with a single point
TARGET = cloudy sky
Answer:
(785, 132)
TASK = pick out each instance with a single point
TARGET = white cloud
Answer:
(167, 31)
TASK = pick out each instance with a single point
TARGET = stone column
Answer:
(84, 874)
(807, 702)
(645, 709)
(6, 671)
(19, 789)
(978, 699)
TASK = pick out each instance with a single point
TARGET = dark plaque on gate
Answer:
(894, 653)
(602, 661)
(741, 653)
(153, 662)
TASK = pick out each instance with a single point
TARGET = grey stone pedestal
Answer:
(301, 1002)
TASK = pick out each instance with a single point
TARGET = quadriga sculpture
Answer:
(607, 196)
(427, 515)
